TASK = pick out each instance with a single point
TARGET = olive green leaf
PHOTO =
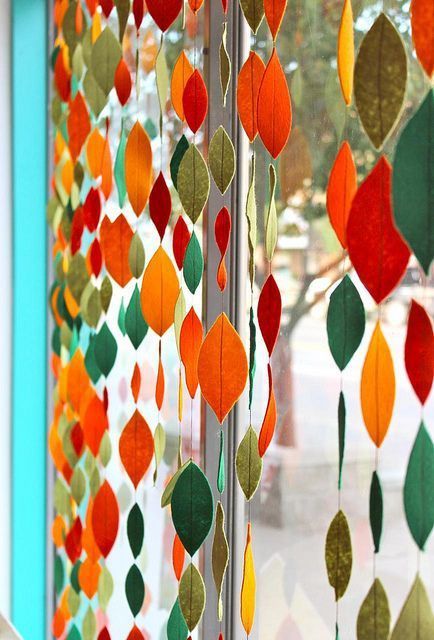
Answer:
(220, 556)
(168, 491)
(176, 626)
(193, 182)
(106, 293)
(69, 31)
(253, 12)
(123, 10)
(105, 449)
(105, 587)
(376, 510)
(95, 96)
(180, 149)
(135, 529)
(90, 305)
(225, 65)
(193, 264)
(105, 349)
(251, 215)
(416, 619)
(338, 554)
(62, 499)
(252, 354)
(159, 447)
(106, 55)
(345, 322)
(77, 276)
(78, 485)
(373, 621)
(192, 596)
(135, 324)
(248, 463)
(221, 158)
(271, 216)
(179, 316)
(134, 589)
(136, 256)
(89, 625)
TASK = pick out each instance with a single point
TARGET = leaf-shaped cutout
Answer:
(180, 311)
(115, 240)
(274, 12)
(270, 418)
(271, 216)
(106, 55)
(376, 249)
(162, 79)
(136, 256)
(180, 240)
(123, 82)
(253, 12)
(192, 507)
(338, 554)
(168, 491)
(135, 589)
(105, 350)
(119, 169)
(221, 159)
(138, 12)
(416, 619)
(342, 427)
(341, 189)
(195, 101)
(160, 290)
(190, 343)
(419, 351)
(105, 518)
(220, 556)
(192, 596)
(222, 232)
(269, 313)
(377, 388)
(178, 557)
(159, 447)
(160, 205)
(138, 167)
(221, 474)
(160, 383)
(222, 367)
(274, 107)
(180, 75)
(180, 149)
(346, 51)
(422, 30)
(176, 626)
(248, 463)
(123, 11)
(135, 530)
(376, 510)
(225, 65)
(164, 12)
(106, 293)
(413, 176)
(249, 82)
(193, 264)
(135, 634)
(193, 183)
(418, 496)
(380, 77)
(136, 447)
(135, 325)
(136, 382)
(373, 620)
(345, 322)
(248, 587)
(93, 419)
(78, 125)
(251, 215)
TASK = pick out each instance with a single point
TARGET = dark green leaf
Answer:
(175, 161)
(135, 589)
(90, 362)
(376, 510)
(59, 574)
(345, 322)
(135, 529)
(135, 323)
(193, 264)
(105, 348)
(75, 584)
(341, 428)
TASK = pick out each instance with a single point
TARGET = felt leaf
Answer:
(106, 55)
(249, 82)
(89, 624)
(182, 71)
(190, 342)
(380, 77)
(253, 12)
(105, 350)
(106, 293)
(413, 176)
(377, 388)
(193, 264)
(135, 325)
(252, 354)
(251, 215)
(180, 240)
(192, 507)
(195, 5)
(195, 101)
(222, 367)
(160, 290)
(271, 217)
(419, 351)
(248, 463)
(123, 11)
(225, 65)
(105, 588)
(123, 82)
(416, 619)
(274, 12)
(136, 447)
(192, 596)
(345, 322)
(78, 125)
(178, 557)
(376, 510)
(375, 247)
(138, 167)
(274, 107)
(176, 626)
(180, 312)
(373, 620)
(107, 7)
(135, 530)
(105, 518)
(138, 12)
(270, 418)
(160, 384)
(221, 159)
(164, 12)
(162, 78)
(338, 554)
(220, 556)
(342, 419)
(93, 418)
(134, 590)
(159, 448)
(136, 256)
(346, 51)
(119, 169)
(418, 496)
(422, 30)
(136, 382)
(115, 240)
(121, 318)
(221, 475)
(160, 205)
(269, 313)
(193, 183)
(248, 587)
(168, 491)
(180, 149)
(222, 232)
(341, 189)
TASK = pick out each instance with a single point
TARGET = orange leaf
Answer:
(77, 380)
(222, 367)
(181, 73)
(160, 290)
(88, 576)
(58, 531)
(248, 588)
(346, 51)
(136, 382)
(123, 82)
(105, 518)
(341, 189)
(94, 423)
(94, 153)
(136, 447)
(78, 125)
(249, 82)
(190, 343)
(115, 239)
(274, 11)
(377, 389)
(138, 168)
(270, 418)
(274, 107)
(58, 624)
(159, 387)
(178, 557)
(422, 29)
(106, 170)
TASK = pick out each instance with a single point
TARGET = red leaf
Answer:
(104, 634)
(195, 101)
(77, 439)
(95, 257)
(222, 231)
(164, 12)
(106, 6)
(73, 545)
(135, 633)
(341, 189)
(160, 204)
(181, 238)
(92, 209)
(78, 125)
(419, 351)
(136, 447)
(136, 382)
(270, 418)
(195, 5)
(138, 11)
(123, 82)
(77, 228)
(62, 78)
(269, 312)
(376, 249)
(249, 82)
(225, 6)
(105, 519)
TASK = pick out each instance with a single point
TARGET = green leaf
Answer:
(135, 590)
(123, 9)
(271, 217)
(89, 625)
(121, 318)
(90, 305)
(253, 12)
(251, 215)
(77, 277)
(119, 168)
(376, 510)
(248, 463)
(105, 348)
(136, 256)
(106, 55)
(338, 554)
(59, 574)
(418, 488)
(95, 96)
(159, 447)
(341, 430)
(105, 588)
(193, 183)
(180, 312)
(192, 596)
(345, 322)
(193, 264)
(74, 633)
(90, 362)
(105, 449)
(416, 619)
(75, 584)
(135, 324)
(220, 556)
(225, 65)
(74, 602)
(221, 479)
(180, 149)
(72, 38)
(135, 529)
(192, 507)
(221, 159)
(168, 491)
(373, 621)
(176, 626)
(78, 485)
(106, 293)
(413, 177)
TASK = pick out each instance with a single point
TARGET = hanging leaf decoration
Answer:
(135, 590)
(338, 554)
(138, 167)
(193, 183)
(195, 101)
(419, 351)
(159, 444)
(377, 390)
(180, 240)
(115, 238)
(376, 510)
(193, 264)
(105, 519)
(159, 293)
(253, 12)
(220, 556)
(164, 12)
(341, 189)
(178, 557)
(380, 77)
(136, 447)
(269, 313)
(222, 232)
(176, 626)
(274, 107)
(416, 615)
(225, 65)
(136, 256)
(106, 55)
(138, 12)
(270, 419)
(345, 322)
(119, 169)
(190, 343)
(221, 474)
(160, 205)
(168, 491)
(135, 325)
(373, 621)
(248, 463)
(78, 126)
(123, 11)
(105, 350)
(221, 158)
(180, 149)
(271, 217)
(342, 420)
(251, 215)
(249, 82)
(135, 530)
(422, 30)
(182, 71)
(274, 12)
(123, 82)
(346, 51)
(192, 596)
(162, 80)
(248, 587)
(375, 247)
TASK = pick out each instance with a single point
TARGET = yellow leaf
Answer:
(346, 52)
(248, 588)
